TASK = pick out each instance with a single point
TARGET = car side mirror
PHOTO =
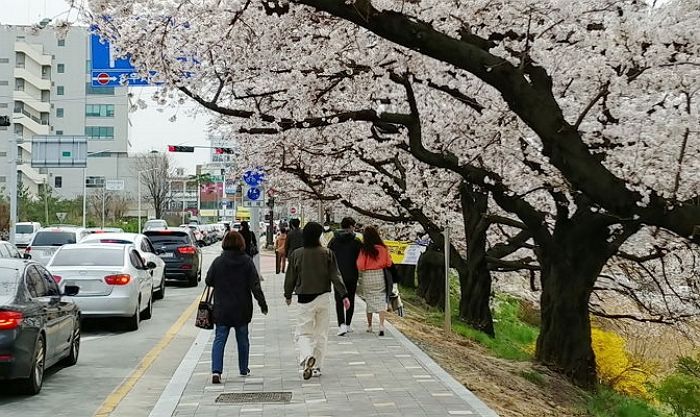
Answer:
(71, 290)
(27, 256)
(150, 265)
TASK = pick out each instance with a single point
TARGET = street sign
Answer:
(59, 151)
(250, 203)
(107, 70)
(114, 185)
(230, 187)
(293, 211)
(254, 177)
(253, 193)
(61, 216)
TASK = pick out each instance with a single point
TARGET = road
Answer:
(108, 356)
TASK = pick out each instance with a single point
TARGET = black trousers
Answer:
(346, 316)
(280, 262)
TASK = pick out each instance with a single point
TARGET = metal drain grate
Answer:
(254, 397)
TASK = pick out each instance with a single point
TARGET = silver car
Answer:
(47, 241)
(146, 250)
(113, 280)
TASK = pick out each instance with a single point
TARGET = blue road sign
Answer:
(253, 193)
(107, 70)
(254, 177)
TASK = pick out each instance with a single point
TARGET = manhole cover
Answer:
(254, 397)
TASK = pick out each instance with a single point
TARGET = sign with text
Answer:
(59, 151)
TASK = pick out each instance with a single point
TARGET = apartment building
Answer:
(45, 88)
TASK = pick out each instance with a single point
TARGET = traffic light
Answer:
(221, 151)
(175, 148)
(4, 121)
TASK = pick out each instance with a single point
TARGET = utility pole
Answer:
(448, 311)
(13, 186)
(46, 199)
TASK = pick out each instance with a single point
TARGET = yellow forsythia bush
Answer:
(615, 367)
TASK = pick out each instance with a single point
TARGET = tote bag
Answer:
(205, 311)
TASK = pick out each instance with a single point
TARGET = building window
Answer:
(95, 182)
(60, 90)
(19, 129)
(61, 42)
(99, 110)
(19, 84)
(3, 179)
(3, 105)
(4, 82)
(3, 153)
(58, 182)
(59, 133)
(4, 60)
(3, 127)
(102, 91)
(59, 112)
(60, 68)
(99, 132)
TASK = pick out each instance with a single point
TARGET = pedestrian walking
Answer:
(295, 238)
(233, 278)
(373, 259)
(327, 234)
(310, 273)
(280, 255)
(251, 243)
(346, 247)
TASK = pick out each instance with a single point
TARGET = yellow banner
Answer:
(405, 253)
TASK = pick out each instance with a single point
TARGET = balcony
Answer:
(35, 52)
(33, 79)
(32, 174)
(33, 123)
(36, 104)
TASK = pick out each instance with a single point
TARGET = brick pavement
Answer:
(363, 375)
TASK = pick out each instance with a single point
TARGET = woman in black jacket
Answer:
(251, 243)
(234, 278)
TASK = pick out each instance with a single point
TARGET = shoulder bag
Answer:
(205, 311)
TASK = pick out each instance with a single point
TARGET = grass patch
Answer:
(534, 377)
(608, 403)
(514, 339)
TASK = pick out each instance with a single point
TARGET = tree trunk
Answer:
(407, 274)
(475, 279)
(570, 267)
(431, 277)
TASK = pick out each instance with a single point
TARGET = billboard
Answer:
(59, 151)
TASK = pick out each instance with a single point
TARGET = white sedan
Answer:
(145, 249)
(113, 280)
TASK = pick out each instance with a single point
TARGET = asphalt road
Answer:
(108, 355)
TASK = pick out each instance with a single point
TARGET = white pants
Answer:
(312, 329)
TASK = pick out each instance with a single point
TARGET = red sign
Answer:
(103, 78)
(293, 211)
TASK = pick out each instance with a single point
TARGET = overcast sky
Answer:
(149, 128)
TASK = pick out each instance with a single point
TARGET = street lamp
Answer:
(89, 154)
(138, 181)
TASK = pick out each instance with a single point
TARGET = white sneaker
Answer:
(342, 330)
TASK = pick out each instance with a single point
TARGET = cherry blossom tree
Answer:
(581, 118)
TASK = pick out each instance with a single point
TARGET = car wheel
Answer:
(193, 280)
(148, 312)
(32, 385)
(72, 357)
(132, 323)
(160, 294)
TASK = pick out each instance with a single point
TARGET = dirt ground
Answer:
(499, 383)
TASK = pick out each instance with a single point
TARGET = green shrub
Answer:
(608, 403)
(681, 393)
(534, 377)
(689, 366)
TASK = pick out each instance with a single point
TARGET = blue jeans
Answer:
(217, 349)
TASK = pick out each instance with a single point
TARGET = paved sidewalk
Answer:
(363, 375)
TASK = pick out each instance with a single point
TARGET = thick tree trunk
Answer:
(475, 279)
(571, 264)
(408, 275)
(431, 277)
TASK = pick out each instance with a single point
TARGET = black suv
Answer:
(180, 252)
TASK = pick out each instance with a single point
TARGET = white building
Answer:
(45, 88)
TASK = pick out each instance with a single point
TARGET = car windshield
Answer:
(89, 257)
(24, 228)
(168, 238)
(107, 240)
(156, 223)
(53, 238)
(8, 281)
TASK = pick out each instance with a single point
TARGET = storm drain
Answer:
(254, 397)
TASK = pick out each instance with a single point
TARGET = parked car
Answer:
(24, 231)
(155, 224)
(197, 232)
(39, 324)
(113, 280)
(47, 241)
(181, 253)
(145, 248)
(8, 250)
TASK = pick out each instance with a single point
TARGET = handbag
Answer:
(205, 310)
(395, 303)
(253, 249)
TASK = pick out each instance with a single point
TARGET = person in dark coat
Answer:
(346, 247)
(233, 278)
(295, 237)
(251, 243)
